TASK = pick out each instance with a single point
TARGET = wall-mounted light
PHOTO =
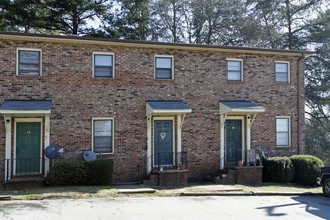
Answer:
(7, 121)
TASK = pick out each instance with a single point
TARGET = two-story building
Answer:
(142, 103)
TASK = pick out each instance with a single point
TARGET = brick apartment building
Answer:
(145, 103)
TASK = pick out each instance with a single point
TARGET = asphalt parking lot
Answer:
(203, 207)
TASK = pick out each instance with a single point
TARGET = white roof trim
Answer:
(5, 111)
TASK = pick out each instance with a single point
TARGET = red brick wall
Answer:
(199, 81)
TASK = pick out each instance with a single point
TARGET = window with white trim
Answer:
(164, 68)
(282, 131)
(234, 70)
(103, 135)
(29, 62)
(281, 72)
(103, 65)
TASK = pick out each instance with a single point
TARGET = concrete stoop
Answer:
(24, 183)
(240, 175)
(167, 178)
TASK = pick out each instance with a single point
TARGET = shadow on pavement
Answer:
(315, 205)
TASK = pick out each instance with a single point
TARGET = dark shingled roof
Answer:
(163, 104)
(26, 105)
(239, 104)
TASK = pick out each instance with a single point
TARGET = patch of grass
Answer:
(278, 187)
(83, 192)
(28, 197)
(62, 192)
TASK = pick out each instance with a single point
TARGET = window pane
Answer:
(28, 67)
(102, 128)
(103, 136)
(29, 63)
(32, 57)
(102, 144)
(234, 65)
(281, 77)
(281, 67)
(282, 139)
(234, 76)
(103, 60)
(281, 70)
(103, 71)
(282, 125)
(162, 62)
(163, 74)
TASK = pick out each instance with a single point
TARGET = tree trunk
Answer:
(288, 17)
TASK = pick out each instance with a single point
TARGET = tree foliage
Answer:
(68, 16)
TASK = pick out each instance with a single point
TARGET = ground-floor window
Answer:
(103, 135)
(282, 131)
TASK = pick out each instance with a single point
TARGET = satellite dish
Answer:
(51, 151)
(89, 155)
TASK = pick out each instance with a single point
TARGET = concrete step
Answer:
(23, 185)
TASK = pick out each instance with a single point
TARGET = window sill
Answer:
(235, 81)
(163, 79)
(99, 154)
(27, 76)
(283, 146)
(282, 82)
(102, 77)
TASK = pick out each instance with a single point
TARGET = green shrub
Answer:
(278, 169)
(67, 173)
(98, 172)
(307, 168)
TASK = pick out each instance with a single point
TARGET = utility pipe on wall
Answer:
(299, 100)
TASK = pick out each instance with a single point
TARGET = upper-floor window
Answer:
(234, 70)
(103, 135)
(164, 67)
(29, 62)
(282, 72)
(282, 131)
(103, 65)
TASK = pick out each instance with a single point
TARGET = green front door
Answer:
(163, 142)
(28, 147)
(233, 140)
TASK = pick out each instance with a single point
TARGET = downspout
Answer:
(299, 100)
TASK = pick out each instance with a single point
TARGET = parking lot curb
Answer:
(133, 191)
(252, 193)
(216, 194)
(272, 193)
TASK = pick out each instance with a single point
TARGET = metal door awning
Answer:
(164, 107)
(26, 107)
(240, 107)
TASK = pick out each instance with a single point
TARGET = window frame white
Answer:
(289, 130)
(112, 133)
(288, 73)
(172, 66)
(227, 70)
(18, 60)
(113, 64)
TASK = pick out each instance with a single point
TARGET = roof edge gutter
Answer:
(148, 44)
